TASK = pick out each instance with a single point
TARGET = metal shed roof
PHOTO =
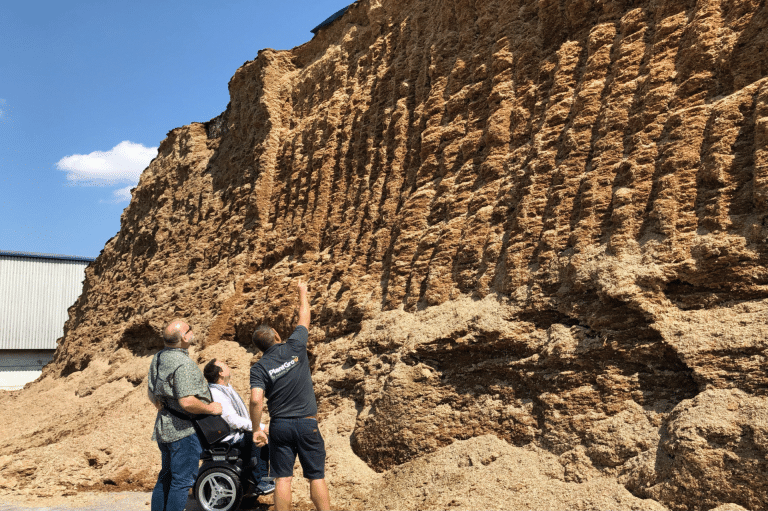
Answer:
(37, 255)
(331, 19)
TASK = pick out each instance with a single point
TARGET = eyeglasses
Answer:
(184, 335)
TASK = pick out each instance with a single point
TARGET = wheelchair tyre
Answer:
(218, 489)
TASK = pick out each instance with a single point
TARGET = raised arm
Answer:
(304, 312)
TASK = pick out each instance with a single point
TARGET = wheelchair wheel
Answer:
(218, 489)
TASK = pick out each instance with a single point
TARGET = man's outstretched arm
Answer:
(304, 312)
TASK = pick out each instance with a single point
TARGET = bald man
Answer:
(176, 382)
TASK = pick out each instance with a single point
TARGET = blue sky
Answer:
(88, 89)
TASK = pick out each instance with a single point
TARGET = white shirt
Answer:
(239, 422)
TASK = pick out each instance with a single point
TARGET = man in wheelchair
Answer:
(235, 413)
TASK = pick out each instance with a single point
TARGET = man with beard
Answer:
(175, 382)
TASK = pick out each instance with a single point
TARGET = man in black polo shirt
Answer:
(283, 376)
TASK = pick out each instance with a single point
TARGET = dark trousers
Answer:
(291, 437)
(257, 458)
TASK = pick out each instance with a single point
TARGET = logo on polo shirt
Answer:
(279, 371)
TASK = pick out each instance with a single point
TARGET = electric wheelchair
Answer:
(222, 481)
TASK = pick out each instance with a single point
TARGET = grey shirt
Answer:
(176, 376)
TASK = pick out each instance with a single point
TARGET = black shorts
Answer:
(291, 437)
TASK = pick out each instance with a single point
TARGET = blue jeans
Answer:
(180, 462)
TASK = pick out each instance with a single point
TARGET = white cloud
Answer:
(121, 164)
(2, 108)
(121, 195)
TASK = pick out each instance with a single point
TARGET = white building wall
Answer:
(35, 293)
(19, 367)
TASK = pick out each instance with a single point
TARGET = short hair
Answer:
(211, 371)
(263, 337)
(172, 332)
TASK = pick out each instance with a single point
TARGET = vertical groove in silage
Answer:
(34, 297)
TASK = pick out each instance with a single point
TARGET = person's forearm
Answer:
(191, 404)
(304, 311)
(255, 410)
(255, 407)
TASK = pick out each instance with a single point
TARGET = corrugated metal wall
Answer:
(35, 294)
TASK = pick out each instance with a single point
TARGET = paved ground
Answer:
(123, 501)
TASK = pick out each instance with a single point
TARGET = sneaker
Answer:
(265, 487)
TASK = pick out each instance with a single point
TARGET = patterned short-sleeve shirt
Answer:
(172, 376)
